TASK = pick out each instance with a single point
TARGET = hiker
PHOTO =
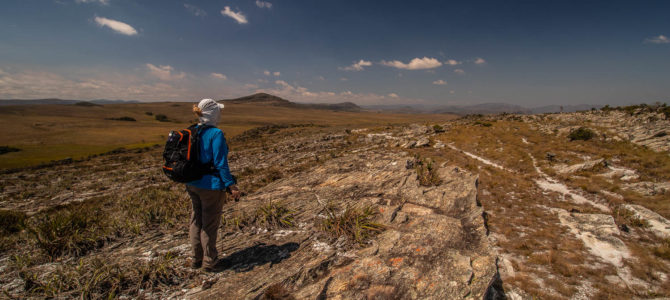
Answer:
(208, 194)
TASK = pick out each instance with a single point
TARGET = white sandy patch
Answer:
(484, 160)
(660, 226)
(622, 173)
(549, 184)
(597, 232)
(523, 139)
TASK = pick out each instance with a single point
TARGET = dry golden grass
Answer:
(53, 132)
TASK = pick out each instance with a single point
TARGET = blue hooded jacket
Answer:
(213, 148)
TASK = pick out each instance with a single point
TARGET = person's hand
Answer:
(235, 192)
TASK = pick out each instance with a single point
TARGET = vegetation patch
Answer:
(8, 149)
(86, 104)
(69, 231)
(11, 221)
(156, 205)
(161, 118)
(355, 223)
(275, 214)
(581, 133)
(426, 172)
(127, 119)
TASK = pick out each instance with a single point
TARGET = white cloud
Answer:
(219, 76)
(661, 39)
(344, 79)
(196, 11)
(117, 26)
(440, 82)
(277, 73)
(459, 71)
(452, 62)
(452, 92)
(266, 73)
(251, 86)
(263, 4)
(237, 16)
(393, 95)
(357, 66)
(479, 61)
(165, 72)
(414, 64)
(103, 2)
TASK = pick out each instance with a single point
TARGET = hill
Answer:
(267, 99)
(7, 102)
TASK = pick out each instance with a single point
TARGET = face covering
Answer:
(211, 112)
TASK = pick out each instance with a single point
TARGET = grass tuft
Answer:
(74, 231)
(426, 172)
(275, 214)
(357, 224)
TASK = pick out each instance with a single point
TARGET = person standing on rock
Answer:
(208, 194)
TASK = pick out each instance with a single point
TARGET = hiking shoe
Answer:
(212, 267)
(196, 264)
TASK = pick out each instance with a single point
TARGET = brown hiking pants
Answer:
(206, 212)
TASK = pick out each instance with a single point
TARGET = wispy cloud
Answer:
(661, 39)
(263, 4)
(393, 95)
(218, 76)
(166, 73)
(103, 2)
(479, 61)
(115, 25)
(237, 16)
(357, 66)
(440, 82)
(414, 64)
(452, 62)
(196, 11)
(459, 71)
(276, 73)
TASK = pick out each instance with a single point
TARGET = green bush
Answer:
(128, 119)
(581, 133)
(155, 206)
(426, 172)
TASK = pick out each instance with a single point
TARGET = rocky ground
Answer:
(480, 207)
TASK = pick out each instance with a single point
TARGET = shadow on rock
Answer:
(245, 260)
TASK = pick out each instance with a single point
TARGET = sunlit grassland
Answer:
(53, 132)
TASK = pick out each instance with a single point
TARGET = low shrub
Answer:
(581, 133)
(161, 118)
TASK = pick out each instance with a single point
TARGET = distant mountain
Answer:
(267, 99)
(563, 108)
(485, 108)
(260, 98)
(6, 102)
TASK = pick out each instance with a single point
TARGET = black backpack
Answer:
(182, 157)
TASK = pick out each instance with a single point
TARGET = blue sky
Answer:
(529, 53)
